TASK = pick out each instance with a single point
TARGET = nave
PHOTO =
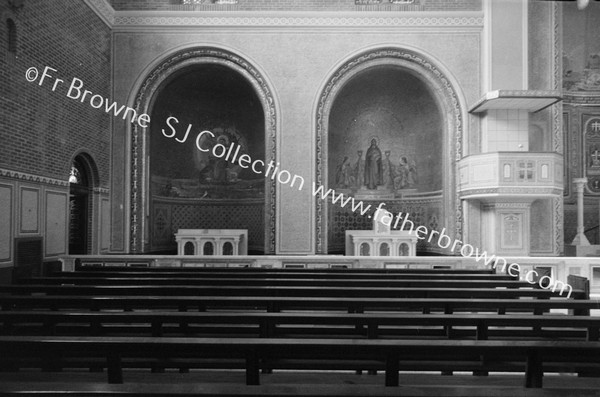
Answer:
(252, 331)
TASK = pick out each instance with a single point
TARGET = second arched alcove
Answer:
(389, 130)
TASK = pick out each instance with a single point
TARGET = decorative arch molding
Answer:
(448, 100)
(87, 160)
(157, 78)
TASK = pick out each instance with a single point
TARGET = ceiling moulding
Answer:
(468, 19)
(530, 100)
(216, 18)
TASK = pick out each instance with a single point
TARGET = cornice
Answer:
(104, 10)
(582, 98)
(506, 192)
(23, 176)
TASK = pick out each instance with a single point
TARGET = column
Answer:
(580, 238)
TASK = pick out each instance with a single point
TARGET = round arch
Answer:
(162, 73)
(448, 99)
(89, 164)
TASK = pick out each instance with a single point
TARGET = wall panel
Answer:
(29, 205)
(6, 198)
(56, 223)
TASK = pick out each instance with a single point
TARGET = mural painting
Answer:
(386, 137)
(376, 173)
(592, 152)
(581, 54)
(213, 99)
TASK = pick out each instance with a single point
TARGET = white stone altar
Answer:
(381, 241)
(212, 242)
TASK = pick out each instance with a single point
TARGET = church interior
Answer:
(300, 197)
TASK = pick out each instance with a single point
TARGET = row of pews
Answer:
(261, 321)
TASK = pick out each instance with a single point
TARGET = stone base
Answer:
(582, 250)
(405, 192)
(382, 193)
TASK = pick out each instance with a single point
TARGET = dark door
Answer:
(78, 224)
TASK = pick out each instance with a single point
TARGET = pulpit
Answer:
(381, 240)
(212, 241)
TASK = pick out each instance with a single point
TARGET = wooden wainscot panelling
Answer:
(56, 223)
(6, 225)
(104, 224)
(29, 210)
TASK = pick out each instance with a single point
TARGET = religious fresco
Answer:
(386, 137)
(214, 177)
(376, 171)
(212, 99)
(581, 48)
(592, 152)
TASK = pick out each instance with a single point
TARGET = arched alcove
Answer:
(188, 248)
(365, 249)
(227, 248)
(180, 186)
(389, 129)
(403, 249)
(197, 189)
(384, 249)
(208, 248)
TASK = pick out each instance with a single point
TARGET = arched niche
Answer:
(208, 248)
(189, 248)
(404, 102)
(403, 249)
(211, 89)
(365, 249)
(384, 249)
(227, 248)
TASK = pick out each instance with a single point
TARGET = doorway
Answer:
(79, 197)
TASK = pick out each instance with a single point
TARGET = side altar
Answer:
(212, 242)
(381, 240)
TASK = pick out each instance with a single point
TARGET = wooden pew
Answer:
(322, 324)
(283, 282)
(19, 389)
(250, 273)
(233, 270)
(293, 291)
(581, 284)
(535, 357)
(276, 304)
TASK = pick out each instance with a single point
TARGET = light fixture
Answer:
(581, 4)
(72, 176)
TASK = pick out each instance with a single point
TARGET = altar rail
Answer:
(558, 267)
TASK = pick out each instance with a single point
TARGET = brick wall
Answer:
(299, 5)
(41, 130)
